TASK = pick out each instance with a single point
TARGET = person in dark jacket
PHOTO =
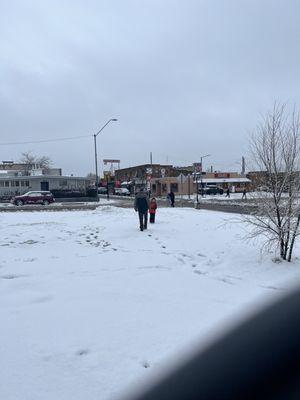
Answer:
(141, 205)
(152, 210)
(171, 196)
(244, 194)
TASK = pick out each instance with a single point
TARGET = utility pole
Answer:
(197, 187)
(95, 146)
(181, 188)
(107, 193)
(96, 166)
(206, 155)
(149, 176)
(243, 166)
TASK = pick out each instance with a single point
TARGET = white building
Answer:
(13, 182)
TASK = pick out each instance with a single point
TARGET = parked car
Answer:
(122, 192)
(37, 197)
(211, 189)
(102, 190)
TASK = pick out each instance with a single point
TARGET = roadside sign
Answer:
(110, 161)
(197, 167)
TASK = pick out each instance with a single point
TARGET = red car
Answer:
(33, 198)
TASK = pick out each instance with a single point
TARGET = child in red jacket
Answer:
(152, 210)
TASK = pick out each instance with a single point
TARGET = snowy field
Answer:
(90, 305)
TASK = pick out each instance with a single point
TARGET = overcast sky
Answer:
(184, 78)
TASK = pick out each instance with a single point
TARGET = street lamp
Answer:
(206, 155)
(95, 144)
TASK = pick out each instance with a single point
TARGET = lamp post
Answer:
(207, 155)
(95, 146)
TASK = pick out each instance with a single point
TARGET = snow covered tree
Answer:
(275, 151)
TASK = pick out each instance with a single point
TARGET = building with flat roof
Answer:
(161, 179)
(16, 179)
(141, 172)
(186, 184)
(15, 185)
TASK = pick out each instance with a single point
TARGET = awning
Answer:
(224, 180)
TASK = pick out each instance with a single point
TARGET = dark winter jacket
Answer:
(172, 196)
(141, 202)
(153, 206)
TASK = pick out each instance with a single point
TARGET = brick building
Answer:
(161, 179)
(187, 183)
(139, 173)
(143, 175)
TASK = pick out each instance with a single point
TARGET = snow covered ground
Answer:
(58, 204)
(89, 305)
(211, 197)
(234, 197)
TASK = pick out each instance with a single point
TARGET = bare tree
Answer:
(275, 150)
(32, 161)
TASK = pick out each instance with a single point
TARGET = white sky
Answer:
(184, 78)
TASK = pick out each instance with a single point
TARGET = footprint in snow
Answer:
(82, 352)
(29, 242)
(225, 280)
(200, 272)
(42, 299)
(272, 287)
(145, 364)
(201, 255)
(10, 276)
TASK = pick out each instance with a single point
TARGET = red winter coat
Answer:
(153, 207)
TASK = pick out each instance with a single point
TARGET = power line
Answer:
(45, 140)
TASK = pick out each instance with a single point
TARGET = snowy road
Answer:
(90, 305)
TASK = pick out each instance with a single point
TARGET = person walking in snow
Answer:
(244, 194)
(228, 192)
(141, 205)
(171, 197)
(152, 210)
